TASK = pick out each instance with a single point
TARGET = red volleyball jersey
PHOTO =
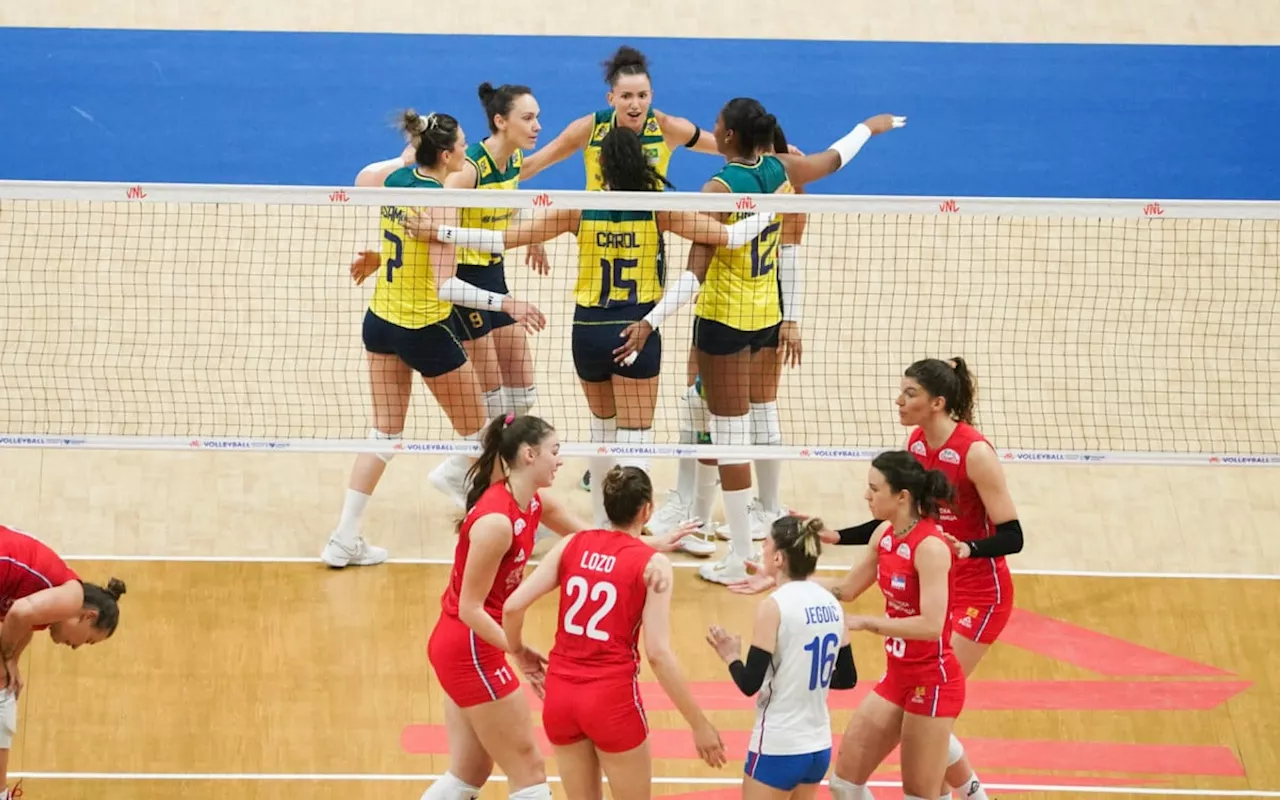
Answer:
(912, 660)
(602, 597)
(975, 581)
(27, 566)
(496, 499)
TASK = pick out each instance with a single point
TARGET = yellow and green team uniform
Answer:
(406, 316)
(483, 269)
(740, 293)
(619, 281)
(651, 139)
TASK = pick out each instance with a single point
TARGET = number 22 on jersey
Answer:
(602, 594)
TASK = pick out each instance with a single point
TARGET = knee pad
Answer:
(603, 430)
(521, 400)
(766, 428)
(494, 403)
(540, 792)
(378, 435)
(844, 790)
(955, 750)
(691, 412)
(731, 432)
(642, 437)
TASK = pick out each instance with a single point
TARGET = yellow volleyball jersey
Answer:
(405, 293)
(618, 259)
(651, 139)
(489, 175)
(741, 288)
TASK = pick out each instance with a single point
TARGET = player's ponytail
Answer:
(928, 488)
(497, 102)
(106, 602)
(626, 492)
(950, 380)
(752, 127)
(780, 144)
(799, 542)
(626, 61)
(623, 164)
(499, 446)
(431, 136)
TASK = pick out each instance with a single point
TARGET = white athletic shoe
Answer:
(450, 480)
(701, 544)
(727, 570)
(673, 512)
(761, 521)
(339, 555)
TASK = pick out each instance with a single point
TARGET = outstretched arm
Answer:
(571, 140)
(542, 580)
(803, 170)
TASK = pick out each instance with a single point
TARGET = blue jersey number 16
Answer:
(824, 660)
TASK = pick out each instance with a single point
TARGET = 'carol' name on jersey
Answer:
(616, 239)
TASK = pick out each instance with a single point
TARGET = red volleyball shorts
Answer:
(944, 700)
(609, 713)
(470, 670)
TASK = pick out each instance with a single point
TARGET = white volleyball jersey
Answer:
(791, 708)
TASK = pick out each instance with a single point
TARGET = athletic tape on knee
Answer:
(731, 432)
(766, 428)
(955, 750)
(450, 787)
(378, 435)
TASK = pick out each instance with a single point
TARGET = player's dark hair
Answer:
(799, 542)
(498, 102)
(498, 448)
(753, 127)
(927, 487)
(780, 144)
(626, 61)
(952, 381)
(105, 602)
(626, 490)
(430, 136)
(624, 166)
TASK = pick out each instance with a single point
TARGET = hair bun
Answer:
(486, 92)
(628, 56)
(115, 588)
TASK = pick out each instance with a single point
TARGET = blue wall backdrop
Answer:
(285, 108)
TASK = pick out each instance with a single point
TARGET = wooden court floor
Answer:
(313, 683)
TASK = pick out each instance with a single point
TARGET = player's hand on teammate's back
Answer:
(727, 646)
(535, 256)
(634, 336)
(710, 746)
(525, 314)
(790, 346)
(882, 123)
(534, 666)
(423, 225)
(959, 548)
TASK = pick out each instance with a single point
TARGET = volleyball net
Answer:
(225, 317)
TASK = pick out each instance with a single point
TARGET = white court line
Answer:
(351, 777)
(680, 564)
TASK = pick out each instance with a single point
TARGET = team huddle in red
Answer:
(943, 522)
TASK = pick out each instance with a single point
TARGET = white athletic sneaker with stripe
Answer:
(761, 521)
(671, 515)
(727, 570)
(338, 554)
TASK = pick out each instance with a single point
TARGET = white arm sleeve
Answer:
(475, 238)
(744, 230)
(792, 282)
(456, 290)
(849, 145)
(673, 299)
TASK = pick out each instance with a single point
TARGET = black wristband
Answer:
(1006, 541)
(697, 134)
(859, 534)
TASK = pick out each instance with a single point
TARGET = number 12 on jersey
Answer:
(824, 660)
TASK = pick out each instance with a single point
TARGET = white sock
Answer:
(972, 788)
(449, 787)
(494, 403)
(766, 429)
(913, 797)
(739, 519)
(603, 431)
(519, 400)
(704, 490)
(540, 792)
(636, 436)
(349, 523)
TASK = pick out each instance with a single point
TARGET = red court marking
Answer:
(1002, 695)
(1060, 756)
(882, 793)
(1091, 650)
